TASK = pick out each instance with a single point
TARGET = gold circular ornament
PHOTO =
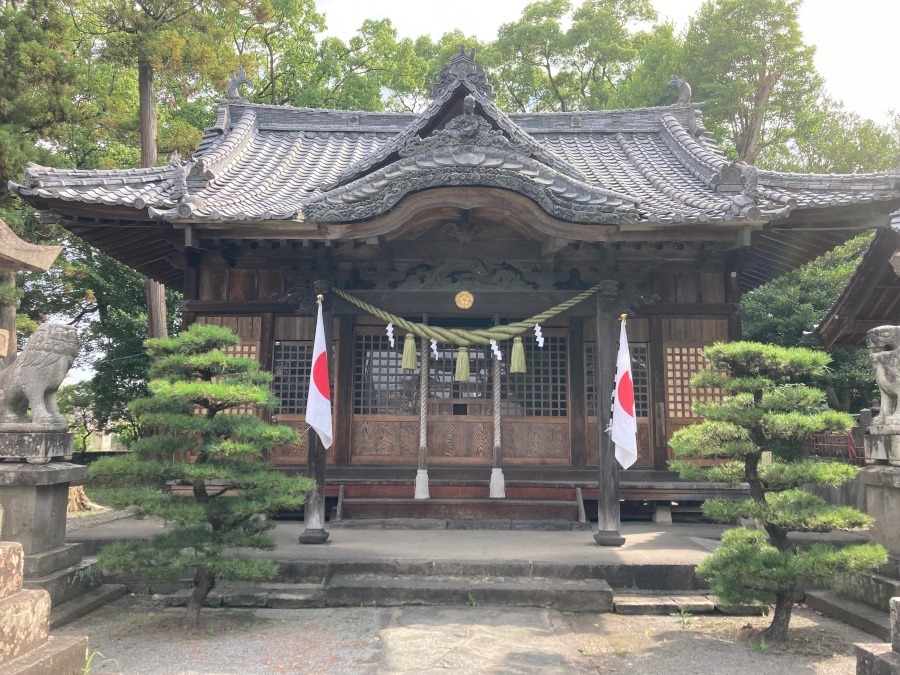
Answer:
(464, 299)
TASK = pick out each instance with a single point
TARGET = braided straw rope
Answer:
(466, 338)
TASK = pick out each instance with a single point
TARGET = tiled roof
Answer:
(273, 163)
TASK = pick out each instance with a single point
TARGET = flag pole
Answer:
(314, 510)
(608, 515)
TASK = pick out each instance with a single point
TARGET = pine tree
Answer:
(766, 407)
(218, 455)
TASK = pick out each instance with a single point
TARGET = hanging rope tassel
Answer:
(409, 352)
(517, 360)
(498, 484)
(421, 485)
(462, 365)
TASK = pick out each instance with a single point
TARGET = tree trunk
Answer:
(78, 500)
(749, 150)
(8, 320)
(784, 605)
(156, 292)
(204, 581)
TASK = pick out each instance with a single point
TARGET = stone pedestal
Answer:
(882, 485)
(35, 498)
(35, 443)
(882, 445)
(25, 642)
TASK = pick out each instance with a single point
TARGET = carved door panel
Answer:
(385, 420)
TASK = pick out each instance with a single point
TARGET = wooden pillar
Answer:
(608, 480)
(342, 398)
(316, 458)
(577, 403)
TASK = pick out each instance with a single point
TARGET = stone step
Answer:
(673, 603)
(11, 565)
(469, 509)
(87, 602)
(272, 595)
(24, 623)
(47, 562)
(592, 595)
(59, 655)
(850, 611)
(66, 584)
(458, 524)
(872, 589)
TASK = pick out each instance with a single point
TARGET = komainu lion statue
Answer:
(884, 358)
(34, 377)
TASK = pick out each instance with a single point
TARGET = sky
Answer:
(856, 40)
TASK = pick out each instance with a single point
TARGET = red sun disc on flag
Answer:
(320, 376)
(626, 393)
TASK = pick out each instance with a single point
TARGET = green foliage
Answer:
(748, 61)
(558, 57)
(36, 81)
(780, 311)
(748, 568)
(765, 410)
(218, 456)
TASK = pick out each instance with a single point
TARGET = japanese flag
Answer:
(318, 404)
(623, 430)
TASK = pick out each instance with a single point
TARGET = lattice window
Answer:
(542, 391)
(380, 385)
(682, 363)
(639, 376)
(442, 371)
(247, 350)
(293, 362)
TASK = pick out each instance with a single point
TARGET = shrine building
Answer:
(464, 217)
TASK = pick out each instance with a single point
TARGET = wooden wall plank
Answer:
(212, 283)
(242, 284)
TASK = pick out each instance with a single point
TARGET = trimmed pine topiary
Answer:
(220, 456)
(767, 407)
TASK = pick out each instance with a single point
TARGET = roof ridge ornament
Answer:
(462, 69)
(235, 83)
(684, 89)
(466, 128)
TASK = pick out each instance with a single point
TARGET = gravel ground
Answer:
(135, 636)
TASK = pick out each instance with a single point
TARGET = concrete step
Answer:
(66, 584)
(59, 655)
(469, 509)
(575, 595)
(673, 603)
(87, 602)
(436, 490)
(458, 524)
(273, 595)
(872, 589)
(853, 612)
(46, 562)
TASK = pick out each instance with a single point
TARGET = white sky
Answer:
(856, 40)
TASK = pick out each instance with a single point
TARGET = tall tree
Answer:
(556, 57)
(842, 141)
(37, 75)
(181, 36)
(748, 61)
